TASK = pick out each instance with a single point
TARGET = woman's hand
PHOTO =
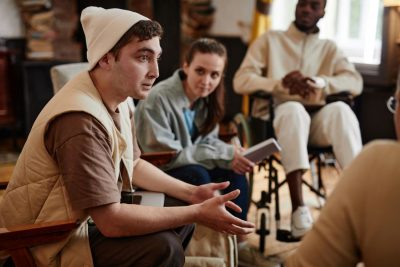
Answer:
(240, 164)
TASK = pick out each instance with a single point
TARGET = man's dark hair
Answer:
(324, 3)
(143, 30)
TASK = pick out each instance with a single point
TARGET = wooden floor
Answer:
(273, 248)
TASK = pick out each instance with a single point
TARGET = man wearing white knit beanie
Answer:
(82, 153)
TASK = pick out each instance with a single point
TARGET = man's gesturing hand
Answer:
(206, 191)
(213, 214)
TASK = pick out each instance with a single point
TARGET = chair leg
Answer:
(319, 165)
(263, 220)
(273, 188)
(317, 185)
(263, 212)
(316, 191)
(320, 181)
(251, 185)
(263, 231)
(22, 257)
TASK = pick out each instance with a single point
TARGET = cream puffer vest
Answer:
(36, 192)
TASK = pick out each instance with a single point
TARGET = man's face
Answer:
(136, 68)
(308, 13)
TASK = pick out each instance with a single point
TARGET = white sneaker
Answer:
(301, 221)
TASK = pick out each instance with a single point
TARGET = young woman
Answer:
(182, 113)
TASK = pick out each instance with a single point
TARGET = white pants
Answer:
(335, 124)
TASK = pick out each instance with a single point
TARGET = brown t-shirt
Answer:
(80, 145)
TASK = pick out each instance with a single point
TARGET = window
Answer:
(355, 25)
(367, 32)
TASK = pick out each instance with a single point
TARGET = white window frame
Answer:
(336, 24)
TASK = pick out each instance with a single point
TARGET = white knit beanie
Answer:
(103, 28)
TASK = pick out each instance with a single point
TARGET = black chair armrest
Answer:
(344, 96)
(261, 94)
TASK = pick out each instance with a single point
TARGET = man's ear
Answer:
(105, 61)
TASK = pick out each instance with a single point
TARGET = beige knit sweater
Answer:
(276, 53)
(361, 219)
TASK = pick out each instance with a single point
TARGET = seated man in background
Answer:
(298, 69)
(360, 222)
(82, 152)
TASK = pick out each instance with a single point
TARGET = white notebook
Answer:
(262, 150)
(154, 199)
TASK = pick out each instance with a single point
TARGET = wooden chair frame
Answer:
(17, 240)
